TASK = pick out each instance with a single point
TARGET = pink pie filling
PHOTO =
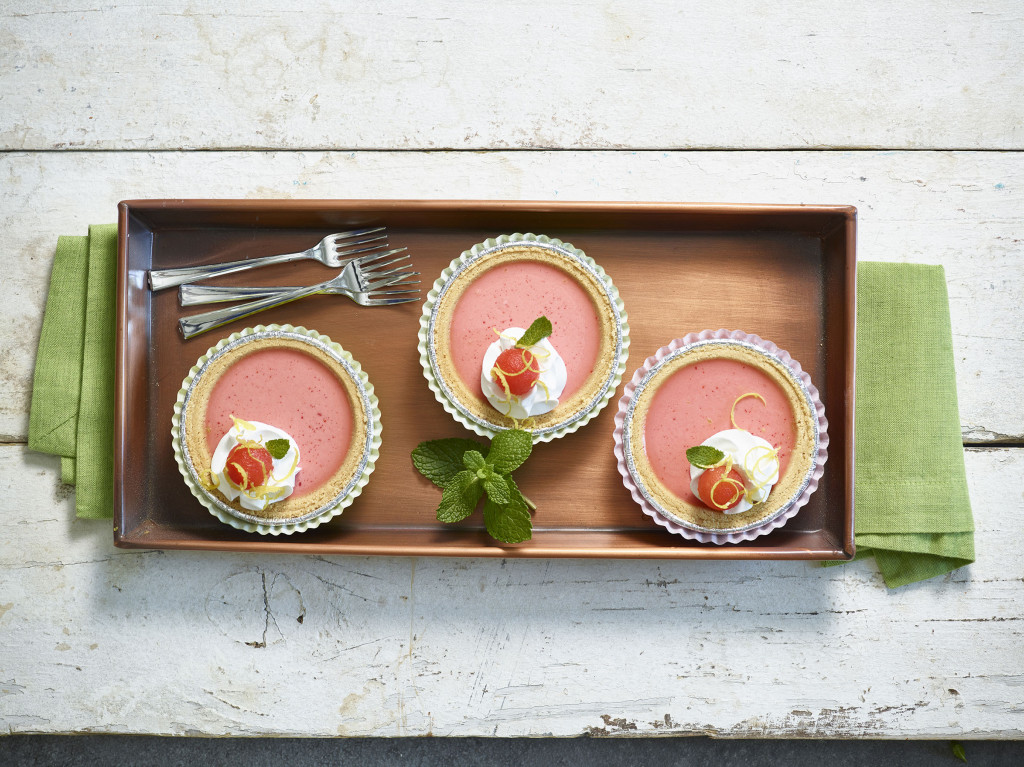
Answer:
(514, 295)
(695, 402)
(293, 392)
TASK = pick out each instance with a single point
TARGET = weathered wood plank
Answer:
(961, 210)
(524, 75)
(96, 639)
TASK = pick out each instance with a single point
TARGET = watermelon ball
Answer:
(726, 495)
(520, 369)
(255, 461)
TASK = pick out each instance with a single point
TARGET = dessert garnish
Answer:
(278, 448)
(255, 464)
(704, 456)
(732, 412)
(522, 374)
(467, 470)
(517, 370)
(539, 329)
(722, 486)
(733, 470)
(249, 464)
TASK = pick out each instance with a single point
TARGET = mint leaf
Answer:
(473, 460)
(459, 467)
(441, 459)
(704, 456)
(497, 489)
(278, 448)
(509, 449)
(509, 523)
(513, 490)
(958, 750)
(538, 331)
(460, 497)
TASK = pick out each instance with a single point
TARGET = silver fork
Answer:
(196, 295)
(363, 280)
(334, 250)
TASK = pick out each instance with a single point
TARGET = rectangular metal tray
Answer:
(786, 273)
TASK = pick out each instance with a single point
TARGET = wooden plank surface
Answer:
(959, 209)
(101, 640)
(97, 101)
(523, 75)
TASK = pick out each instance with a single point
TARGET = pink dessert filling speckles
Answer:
(515, 294)
(695, 402)
(294, 392)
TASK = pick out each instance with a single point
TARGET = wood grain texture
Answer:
(106, 640)
(524, 75)
(959, 209)
(99, 639)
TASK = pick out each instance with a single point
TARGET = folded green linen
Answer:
(57, 383)
(72, 411)
(911, 506)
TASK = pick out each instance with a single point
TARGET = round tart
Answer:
(693, 391)
(302, 384)
(507, 282)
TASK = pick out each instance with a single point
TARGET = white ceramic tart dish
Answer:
(336, 474)
(559, 281)
(652, 466)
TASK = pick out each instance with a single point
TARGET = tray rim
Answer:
(846, 215)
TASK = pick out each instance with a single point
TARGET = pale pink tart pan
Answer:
(750, 401)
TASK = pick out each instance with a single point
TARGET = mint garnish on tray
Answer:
(465, 475)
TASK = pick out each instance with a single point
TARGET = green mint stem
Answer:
(530, 504)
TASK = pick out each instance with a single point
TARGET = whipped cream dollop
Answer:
(282, 477)
(754, 459)
(540, 399)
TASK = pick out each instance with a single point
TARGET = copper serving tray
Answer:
(786, 273)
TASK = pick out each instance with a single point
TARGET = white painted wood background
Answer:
(913, 114)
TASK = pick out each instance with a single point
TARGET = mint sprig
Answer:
(278, 448)
(704, 456)
(537, 332)
(509, 449)
(509, 522)
(441, 459)
(460, 497)
(459, 468)
(473, 460)
(497, 489)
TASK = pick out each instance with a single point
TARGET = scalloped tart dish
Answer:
(284, 385)
(749, 400)
(507, 283)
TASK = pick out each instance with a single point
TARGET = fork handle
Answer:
(168, 278)
(191, 295)
(200, 323)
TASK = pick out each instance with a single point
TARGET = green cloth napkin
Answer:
(911, 506)
(57, 385)
(72, 411)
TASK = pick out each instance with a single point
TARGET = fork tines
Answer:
(381, 269)
(387, 295)
(357, 233)
(387, 270)
(372, 262)
(390, 297)
(347, 244)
